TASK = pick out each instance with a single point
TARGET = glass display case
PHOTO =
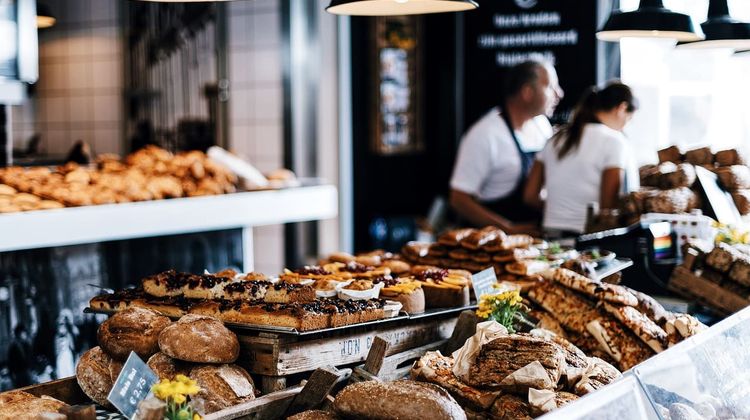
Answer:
(706, 376)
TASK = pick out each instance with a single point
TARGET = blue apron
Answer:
(512, 206)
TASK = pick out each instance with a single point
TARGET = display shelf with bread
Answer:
(701, 378)
(715, 276)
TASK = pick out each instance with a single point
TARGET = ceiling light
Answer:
(721, 30)
(651, 20)
(398, 7)
(44, 17)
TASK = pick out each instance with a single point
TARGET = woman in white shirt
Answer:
(585, 161)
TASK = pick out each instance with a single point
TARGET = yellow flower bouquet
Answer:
(500, 307)
(175, 393)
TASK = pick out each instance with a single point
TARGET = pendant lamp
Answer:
(721, 30)
(44, 17)
(651, 20)
(397, 7)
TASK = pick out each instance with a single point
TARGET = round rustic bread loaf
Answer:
(134, 329)
(96, 374)
(221, 386)
(199, 339)
(397, 400)
(166, 367)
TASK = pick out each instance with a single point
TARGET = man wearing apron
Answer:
(497, 152)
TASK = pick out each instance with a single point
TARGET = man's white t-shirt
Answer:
(575, 181)
(488, 165)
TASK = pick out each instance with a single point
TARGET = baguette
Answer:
(640, 325)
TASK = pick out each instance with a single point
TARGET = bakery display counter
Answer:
(704, 377)
(78, 225)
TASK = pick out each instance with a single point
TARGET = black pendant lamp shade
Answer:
(721, 30)
(398, 7)
(651, 20)
(44, 17)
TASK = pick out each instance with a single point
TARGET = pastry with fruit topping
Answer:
(443, 288)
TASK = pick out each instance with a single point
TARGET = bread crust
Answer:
(22, 405)
(133, 329)
(199, 339)
(221, 386)
(166, 367)
(96, 374)
(397, 400)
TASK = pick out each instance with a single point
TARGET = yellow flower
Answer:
(178, 398)
(197, 417)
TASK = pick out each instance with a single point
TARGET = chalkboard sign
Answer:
(503, 33)
(717, 203)
(483, 281)
(132, 386)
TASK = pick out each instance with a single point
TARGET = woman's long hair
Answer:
(594, 100)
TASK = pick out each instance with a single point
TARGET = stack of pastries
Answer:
(514, 257)
(246, 298)
(150, 173)
(196, 346)
(612, 322)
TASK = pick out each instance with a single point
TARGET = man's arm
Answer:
(534, 184)
(469, 208)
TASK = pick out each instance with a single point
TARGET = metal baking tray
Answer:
(432, 313)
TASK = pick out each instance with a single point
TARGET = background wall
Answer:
(79, 93)
(255, 104)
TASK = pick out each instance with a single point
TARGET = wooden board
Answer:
(281, 356)
(271, 406)
(65, 390)
(688, 284)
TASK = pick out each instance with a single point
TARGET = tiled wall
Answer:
(256, 102)
(79, 92)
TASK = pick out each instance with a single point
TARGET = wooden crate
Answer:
(65, 390)
(276, 356)
(690, 285)
(276, 405)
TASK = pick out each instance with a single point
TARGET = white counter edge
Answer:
(91, 224)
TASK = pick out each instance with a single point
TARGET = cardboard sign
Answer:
(483, 281)
(132, 386)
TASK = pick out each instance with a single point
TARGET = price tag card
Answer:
(132, 386)
(483, 281)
